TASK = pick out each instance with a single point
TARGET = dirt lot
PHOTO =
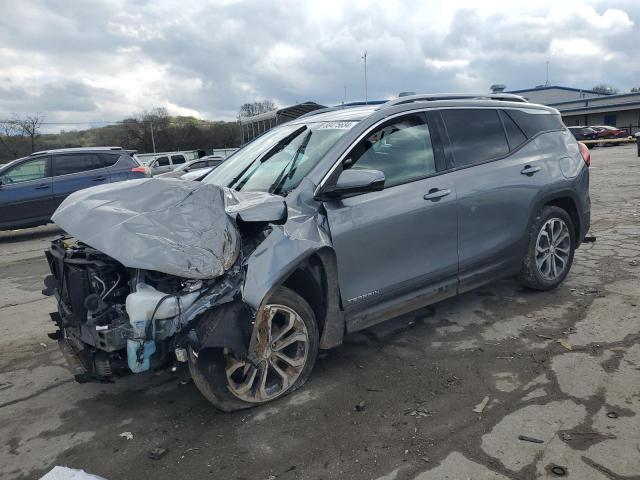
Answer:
(420, 377)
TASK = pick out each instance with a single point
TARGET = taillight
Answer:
(141, 169)
(586, 155)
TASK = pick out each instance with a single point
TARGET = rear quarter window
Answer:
(177, 159)
(534, 123)
(108, 159)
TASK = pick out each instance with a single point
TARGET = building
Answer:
(586, 107)
(256, 125)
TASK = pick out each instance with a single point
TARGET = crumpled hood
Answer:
(172, 226)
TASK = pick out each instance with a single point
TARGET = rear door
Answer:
(396, 247)
(25, 192)
(498, 174)
(75, 171)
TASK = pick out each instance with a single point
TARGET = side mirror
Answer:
(356, 181)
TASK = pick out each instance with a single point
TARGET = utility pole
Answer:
(344, 99)
(366, 88)
(546, 84)
(153, 141)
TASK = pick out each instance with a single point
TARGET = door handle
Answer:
(529, 170)
(436, 193)
(44, 186)
(98, 179)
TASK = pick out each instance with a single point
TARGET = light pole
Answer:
(153, 140)
(366, 92)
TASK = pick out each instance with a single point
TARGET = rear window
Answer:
(108, 159)
(75, 163)
(535, 123)
(476, 135)
(177, 159)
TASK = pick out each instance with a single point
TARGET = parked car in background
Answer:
(583, 133)
(193, 165)
(323, 226)
(31, 188)
(164, 163)
(604, 131)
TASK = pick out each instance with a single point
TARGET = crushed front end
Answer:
(113, 320)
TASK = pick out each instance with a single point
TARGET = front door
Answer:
(396, 247)
(26, 193)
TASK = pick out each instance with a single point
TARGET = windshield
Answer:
(277, 161)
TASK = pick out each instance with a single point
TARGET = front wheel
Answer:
(282, 352)
(550, 250)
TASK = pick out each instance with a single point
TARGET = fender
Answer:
(278, 256)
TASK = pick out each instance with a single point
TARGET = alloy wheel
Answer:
(277, 355)
(553, 249)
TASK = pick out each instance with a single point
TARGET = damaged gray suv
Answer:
(323, 226)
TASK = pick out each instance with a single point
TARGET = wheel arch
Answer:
(315, 278)
(568, 201)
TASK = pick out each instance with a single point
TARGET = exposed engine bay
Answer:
(116, 320)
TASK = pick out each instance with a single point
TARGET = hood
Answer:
(173, 226)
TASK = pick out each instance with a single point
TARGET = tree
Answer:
(11, 135)
(605, 89)
(31, 127)
(635, 90)
(257, 107)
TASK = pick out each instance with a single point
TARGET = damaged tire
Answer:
(550, 250)
(282, 352)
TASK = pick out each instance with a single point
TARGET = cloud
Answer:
(102, 60)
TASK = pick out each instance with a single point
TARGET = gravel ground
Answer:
(562, 367)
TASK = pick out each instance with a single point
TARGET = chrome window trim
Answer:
(421, 109)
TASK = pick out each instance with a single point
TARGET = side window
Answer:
(197, 165)
(75, 163)
(476, 135)
(515, 136)
(162, 162)
(534, 123)
(26, 171)
(177, 159)
(402, 150)
(214, 163)
(108, 159)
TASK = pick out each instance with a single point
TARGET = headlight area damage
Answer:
(154, 269)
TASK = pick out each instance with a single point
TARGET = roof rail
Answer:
(426, 97)
(76, 149)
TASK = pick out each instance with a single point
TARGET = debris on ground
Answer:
(127, 435)
(43, 345)
(361, 406)
(589, 239)
(558, 471)
(612, 414)
(525, 438)
(157, 453)
(418, 412)
(64, 473)
(564, 343)
(479, 408)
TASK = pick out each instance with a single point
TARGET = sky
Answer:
(96, 61)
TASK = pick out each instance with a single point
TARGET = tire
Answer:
(536, 273)
(209, 366)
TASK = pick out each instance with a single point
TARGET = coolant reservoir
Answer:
(141, 304)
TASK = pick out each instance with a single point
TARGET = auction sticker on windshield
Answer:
(333, 125)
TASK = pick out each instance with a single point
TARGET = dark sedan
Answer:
(31, 188)
(584, 133)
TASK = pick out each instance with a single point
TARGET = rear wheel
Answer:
(282, 352)
(550, 250)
